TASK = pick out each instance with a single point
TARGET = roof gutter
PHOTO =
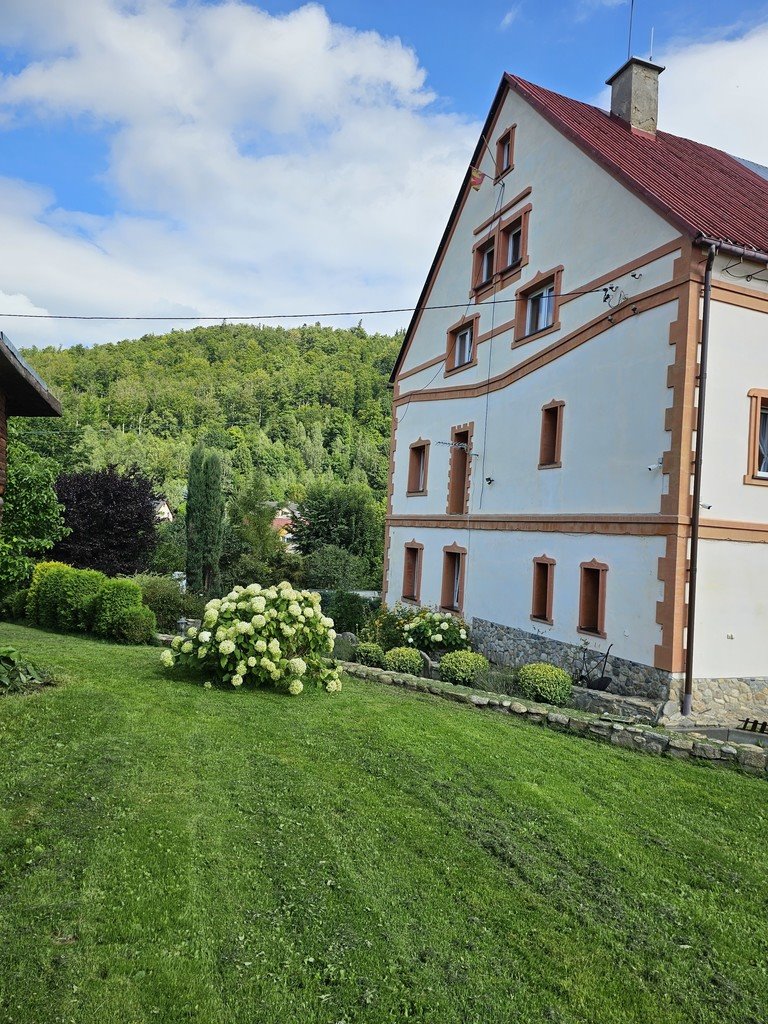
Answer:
(729, 249)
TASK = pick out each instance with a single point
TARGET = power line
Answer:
(272, 316)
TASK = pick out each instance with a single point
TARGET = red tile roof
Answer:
(703, 190)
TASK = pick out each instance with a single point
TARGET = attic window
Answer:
(505, 151)
(461, 345)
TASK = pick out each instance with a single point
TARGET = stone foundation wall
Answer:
(508, 645)
(724, 701)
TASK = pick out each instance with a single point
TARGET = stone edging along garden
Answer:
(749, 757)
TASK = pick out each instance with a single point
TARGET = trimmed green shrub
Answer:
(163, 595)
(430, 631)
(74, 593)
(348, 611)
(544, 682)
(403, 659)
(114, 598)
(49, 589)
(39, 573)
(135, 625)
(370, 654)
(463, 667)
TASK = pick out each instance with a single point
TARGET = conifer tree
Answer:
(195, 497)
(212, 522)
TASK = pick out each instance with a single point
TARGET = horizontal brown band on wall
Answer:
(630, 525)
(727, 529)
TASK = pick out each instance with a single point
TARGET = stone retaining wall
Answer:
(646, 739)
(508, 645)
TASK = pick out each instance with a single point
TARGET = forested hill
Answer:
(301, 404)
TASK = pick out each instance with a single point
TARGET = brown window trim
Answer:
(414, 598)
(450, 344)
(543, 278)
(602, 568)
(551, 563)
(465, 428)
(458, 609)
(557, 463)
(758, 398)
(503, 275)
(411, 492)
(502, 172)
(482, 287)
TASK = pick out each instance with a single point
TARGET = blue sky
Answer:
(165, 157)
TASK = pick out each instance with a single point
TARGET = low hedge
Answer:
(403, 659)
(462, 668)
(84, 600)
(544, 682)
(370, 654)
(164, 596)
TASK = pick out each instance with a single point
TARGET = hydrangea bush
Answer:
(274, 636)
(429, 631)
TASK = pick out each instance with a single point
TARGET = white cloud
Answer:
(511, 16)
(586, 8)
(260, 164)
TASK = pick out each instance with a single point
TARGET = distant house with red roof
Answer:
(558, 475)
(22, 393)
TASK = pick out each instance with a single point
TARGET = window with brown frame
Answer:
(485, 263)
(458, 472)
(511, 249)
(461, 344)
(551, 435)
(418, 461)
(412, 571)
(592, 598)
(505, 152)
(757, 459)
(543, 589)
(538, 306)
(452, 594)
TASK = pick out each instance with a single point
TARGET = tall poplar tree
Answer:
(195, 498)
(212, 522)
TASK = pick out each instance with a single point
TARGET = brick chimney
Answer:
(635, 94)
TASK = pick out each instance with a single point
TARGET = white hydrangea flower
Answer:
(258, 603)
(260, 646)
(226, 647)
(202, 651)
(237, 680)
(437, 638)
(294, 610)
(187, 646)
(207, 684)
(274, 647)
(192, 631)
(295, 687)
(221, 633)
(332, 634)
(205, 636)
(251, 662)
(463, 634)
(243, 627)
(298, 666)
(327, 622)
(176, 643)
(258, 621)
(267, 665)
(242, 668)
(167, 659)
(309, 613)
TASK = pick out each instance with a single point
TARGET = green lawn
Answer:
(175, 854)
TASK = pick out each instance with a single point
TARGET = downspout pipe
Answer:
(714, 246)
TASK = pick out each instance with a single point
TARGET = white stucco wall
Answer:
(499, 581)
(738, 361)
(731, 610)
(582, 218)
(615, 393)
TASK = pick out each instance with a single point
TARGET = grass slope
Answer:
(174, 854)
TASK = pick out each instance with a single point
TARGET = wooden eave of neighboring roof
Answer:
(25, 393)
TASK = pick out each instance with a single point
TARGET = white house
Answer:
(544, 451)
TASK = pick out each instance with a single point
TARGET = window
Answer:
(513, 242)
(538, 305)
(461, 342)
(458, 471)
(452, 596)
(757, 460)
(551, 435)
(485, 263)
(412, 571)
(592, 598)
(417, 467)
(505, 151)
(543, 588)
(541, 309)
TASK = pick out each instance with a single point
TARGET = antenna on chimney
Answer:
(631, 18)
(651, 56)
